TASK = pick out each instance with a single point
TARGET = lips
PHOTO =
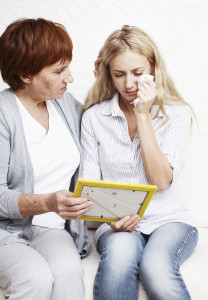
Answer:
(130, 92)
(63, 89)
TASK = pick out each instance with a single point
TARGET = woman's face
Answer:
(126, 69)
(50, 82)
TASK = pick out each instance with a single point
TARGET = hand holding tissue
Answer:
(140, 82)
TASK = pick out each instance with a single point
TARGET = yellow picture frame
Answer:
(113, 200)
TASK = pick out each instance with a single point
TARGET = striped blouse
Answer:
(109, 154)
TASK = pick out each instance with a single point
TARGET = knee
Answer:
(39, 281)
(69, 271)
(157, 277)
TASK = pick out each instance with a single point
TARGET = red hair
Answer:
(29, 45)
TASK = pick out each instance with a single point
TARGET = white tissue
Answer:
(140, 82)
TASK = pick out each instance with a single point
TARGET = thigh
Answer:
(173, 242)
(166, 249)
(23, 272)
(117, 275)
(58, 248)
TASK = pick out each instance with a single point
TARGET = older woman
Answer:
(40, 153)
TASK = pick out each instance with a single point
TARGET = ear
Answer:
(26, 79)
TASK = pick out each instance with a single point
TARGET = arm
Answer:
(61, 202)
(156, 165)
(162, 164)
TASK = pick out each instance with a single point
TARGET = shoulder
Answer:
(178, 111)
(8, 105)
(179, 115)
(70, 101)
(68, 106)
(6, 96)
(103, 108)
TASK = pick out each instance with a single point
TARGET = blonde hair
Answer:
(131, 37)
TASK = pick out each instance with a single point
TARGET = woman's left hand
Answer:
(146, 94)
(128, 223)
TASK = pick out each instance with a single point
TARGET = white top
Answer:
(54, 156)
(109, 154)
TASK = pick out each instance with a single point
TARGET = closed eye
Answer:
(59, 71)
(118, 75)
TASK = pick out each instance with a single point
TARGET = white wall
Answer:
(179, 28)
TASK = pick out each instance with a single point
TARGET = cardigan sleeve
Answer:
(8, 198)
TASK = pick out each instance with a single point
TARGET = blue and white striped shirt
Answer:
(109, 154)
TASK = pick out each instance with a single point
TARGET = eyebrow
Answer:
(60, 67)
(131, 70)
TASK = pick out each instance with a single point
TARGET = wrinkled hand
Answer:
(67, 207)
(147, 94)
(128, 223)
(97, 63)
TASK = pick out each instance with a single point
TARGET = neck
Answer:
(28, 101)
(126, 106)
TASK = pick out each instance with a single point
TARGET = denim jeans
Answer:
(154, 258)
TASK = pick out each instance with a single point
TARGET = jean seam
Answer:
(100, 241)
(184, 244)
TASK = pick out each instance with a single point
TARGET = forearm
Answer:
(34, 204)
(61, 202)
(155, 163)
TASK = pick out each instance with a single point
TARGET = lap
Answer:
(51, 252)
(57, 247)
(168, 244)
(172, 241)
(19, 261)
(117, 246)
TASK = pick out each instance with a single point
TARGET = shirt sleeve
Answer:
(176, 139)
(91, 165)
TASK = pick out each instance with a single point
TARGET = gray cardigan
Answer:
(16, 172)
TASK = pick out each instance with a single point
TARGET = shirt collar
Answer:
(112, 107)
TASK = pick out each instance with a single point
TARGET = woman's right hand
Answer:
(66, 206)
(128, 223)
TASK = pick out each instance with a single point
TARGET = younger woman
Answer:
(142, 144)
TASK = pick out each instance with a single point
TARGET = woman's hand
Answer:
(147, 94)
(67, 207)
(128, 223)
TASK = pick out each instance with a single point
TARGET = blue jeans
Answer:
(154, 258)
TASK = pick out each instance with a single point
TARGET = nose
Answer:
(130, 82)
(68, 77)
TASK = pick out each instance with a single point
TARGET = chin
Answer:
(59, 96)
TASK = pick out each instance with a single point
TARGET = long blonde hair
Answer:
(131, 37)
